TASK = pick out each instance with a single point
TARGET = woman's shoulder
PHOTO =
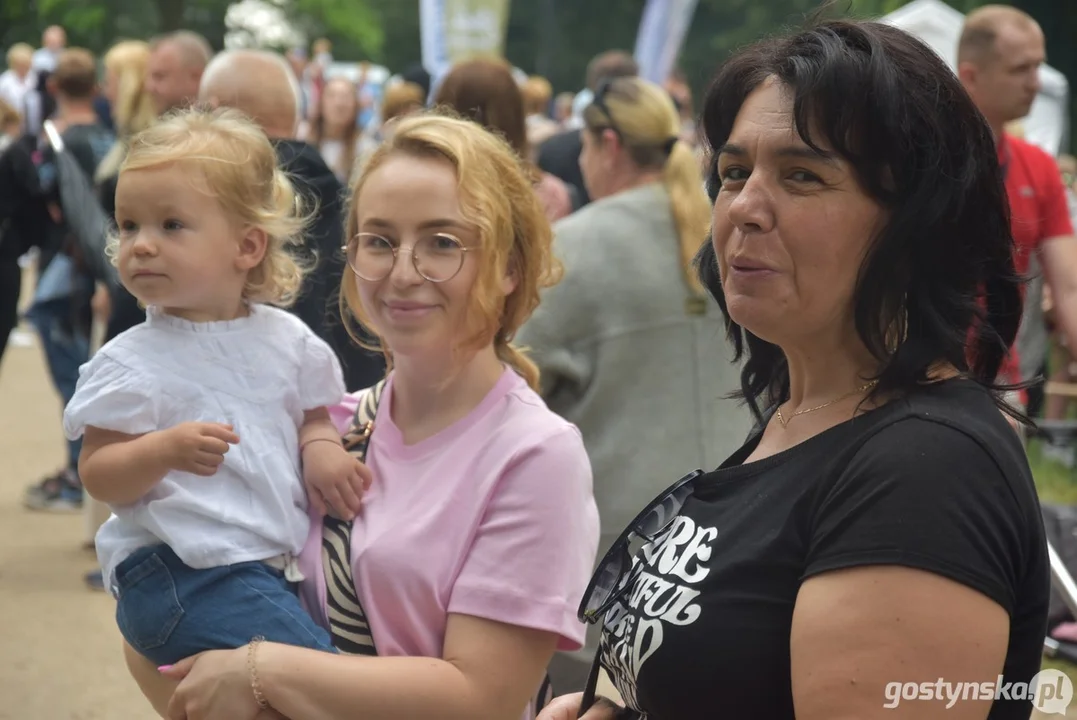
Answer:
(525, 418)
(611, 221)
(951, 432)
(961, 404)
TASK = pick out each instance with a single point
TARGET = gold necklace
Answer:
(859, 390)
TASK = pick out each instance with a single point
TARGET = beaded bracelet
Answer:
(256, 685)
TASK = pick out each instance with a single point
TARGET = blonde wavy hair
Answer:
(497, 198)
(231, 160)
(133, 110)
(647, 119)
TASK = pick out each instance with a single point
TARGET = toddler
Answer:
(199, 423)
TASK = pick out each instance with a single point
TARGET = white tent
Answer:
(939, 25)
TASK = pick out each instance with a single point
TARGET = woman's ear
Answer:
(509, 280)
(611, 139)
(252, 249)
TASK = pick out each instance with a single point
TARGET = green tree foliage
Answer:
(353, 25)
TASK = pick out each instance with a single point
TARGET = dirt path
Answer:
(59, 647)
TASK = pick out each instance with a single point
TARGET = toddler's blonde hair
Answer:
(238, 169)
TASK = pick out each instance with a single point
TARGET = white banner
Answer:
(661, 35)
(455, 30)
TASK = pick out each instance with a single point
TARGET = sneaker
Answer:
(95, 581)
(61, 492)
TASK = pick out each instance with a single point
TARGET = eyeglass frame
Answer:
(396, 253)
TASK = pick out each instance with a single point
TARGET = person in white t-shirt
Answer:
(202, 425)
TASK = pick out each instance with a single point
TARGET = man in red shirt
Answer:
(999, 57)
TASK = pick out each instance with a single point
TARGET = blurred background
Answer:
(551, 38)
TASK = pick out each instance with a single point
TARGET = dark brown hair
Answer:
(76, 74)
(942, 268)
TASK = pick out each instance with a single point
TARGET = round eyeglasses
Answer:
(437, 257)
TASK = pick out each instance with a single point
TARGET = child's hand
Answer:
(197, 447)
(335, 479)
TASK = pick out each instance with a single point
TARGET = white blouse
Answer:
(259, 374)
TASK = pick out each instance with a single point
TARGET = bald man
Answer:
(175, 69)
(273, 102)
(999, 57)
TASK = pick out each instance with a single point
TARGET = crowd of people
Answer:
(443, 355)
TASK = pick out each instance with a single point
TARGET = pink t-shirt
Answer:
(492, 517)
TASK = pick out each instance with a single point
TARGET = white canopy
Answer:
(939, 25)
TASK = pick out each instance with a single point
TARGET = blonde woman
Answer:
(628, 347)
(477, 535)
(132, 112)
(19, 78)
(124, 88)
(126, 65)
(205, 427)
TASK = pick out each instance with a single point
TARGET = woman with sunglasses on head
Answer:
(630, 348)
(472, 546)
(876, 545)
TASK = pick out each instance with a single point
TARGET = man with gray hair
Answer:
(273, 102)
(177, 61)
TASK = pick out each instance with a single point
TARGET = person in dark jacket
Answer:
(23, 219)
(274, 104)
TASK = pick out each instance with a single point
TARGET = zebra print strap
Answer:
(347, 622)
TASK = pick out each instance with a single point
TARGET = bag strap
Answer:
(348, 625)
(357, 437)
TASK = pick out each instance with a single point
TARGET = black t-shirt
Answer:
(937, 481)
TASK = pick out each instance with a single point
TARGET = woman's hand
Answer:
(567, 707)
(214, 685)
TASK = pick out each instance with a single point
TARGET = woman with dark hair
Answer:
(875, 548)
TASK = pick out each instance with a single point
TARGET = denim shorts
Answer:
(168, 611)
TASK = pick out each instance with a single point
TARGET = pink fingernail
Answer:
(164, 668)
